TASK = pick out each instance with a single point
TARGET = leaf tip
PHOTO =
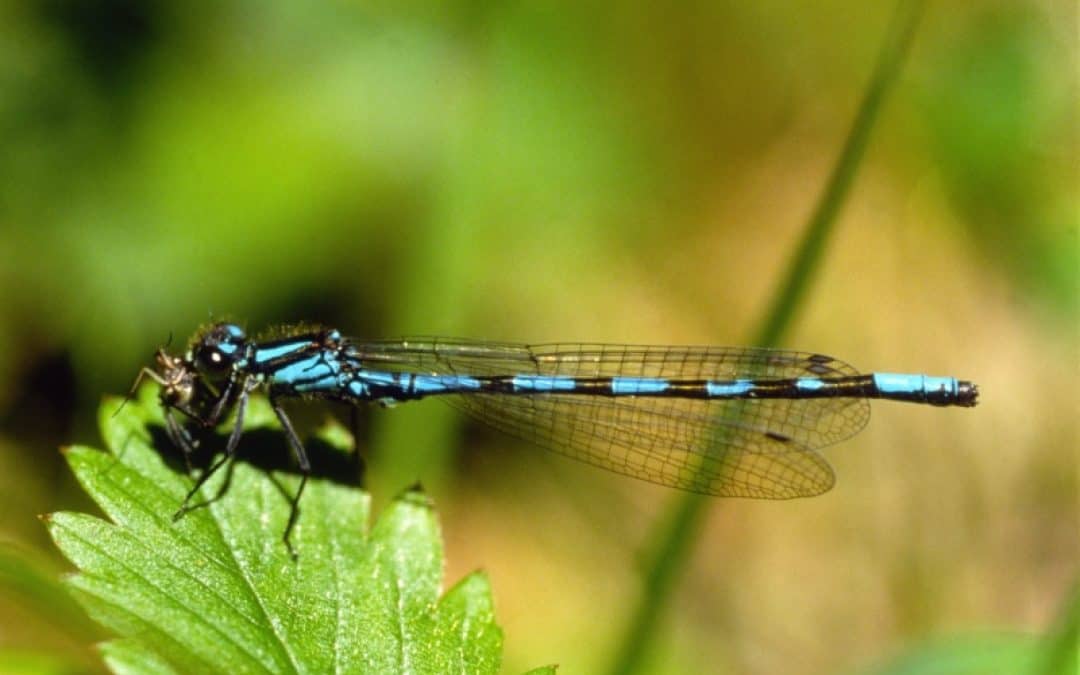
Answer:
(415, 495)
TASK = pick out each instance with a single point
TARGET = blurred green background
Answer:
(610, 172)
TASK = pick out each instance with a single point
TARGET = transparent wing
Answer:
(745, 448)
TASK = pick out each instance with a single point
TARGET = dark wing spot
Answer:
(819, 364)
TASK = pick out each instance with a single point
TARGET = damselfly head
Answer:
(218, 349)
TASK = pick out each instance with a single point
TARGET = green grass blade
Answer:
(1061, 649)
(975, 655)
(675, 537)
(807, 258)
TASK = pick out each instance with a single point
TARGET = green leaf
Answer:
(217, 591)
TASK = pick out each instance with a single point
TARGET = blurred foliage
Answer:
(52, 632)
(577, 171)
(1003, 131)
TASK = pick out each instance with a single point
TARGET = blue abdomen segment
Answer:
(732, 389)
(639, 386)
(899, 383)
(542, 384)
(923, 389)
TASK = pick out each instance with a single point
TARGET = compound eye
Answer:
(216, 353)
(212, 359)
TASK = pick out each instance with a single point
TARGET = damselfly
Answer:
(734, 422)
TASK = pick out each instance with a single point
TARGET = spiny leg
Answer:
(230, 451)
(222, 404)
(305, 470)
(180, 438)
(145, 372)
(179, 433)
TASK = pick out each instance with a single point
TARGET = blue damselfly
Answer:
(735, 422)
